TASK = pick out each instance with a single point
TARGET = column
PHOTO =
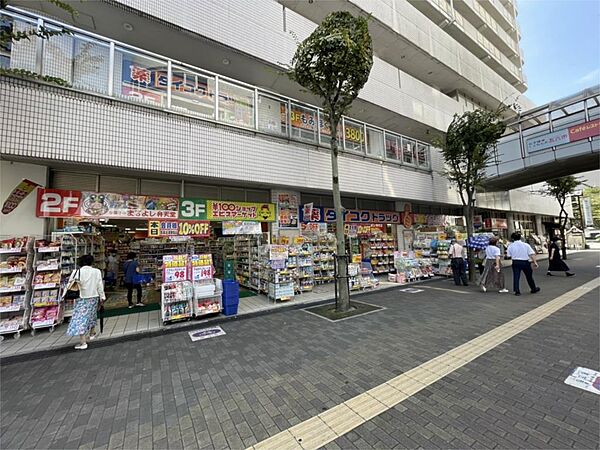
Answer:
(510, 218)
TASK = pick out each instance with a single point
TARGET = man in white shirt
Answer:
(520, 252)
(457, 263)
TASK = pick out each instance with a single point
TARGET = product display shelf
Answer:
(46, 301)
(98, 251)
(176, 301)
(300, 262)
(73, 245)
(409, 268)
(247, 260)
(278, 277)
(16, 260)
(323, 258)
(361, 277)
(381, 253)
(151, 251)
(207, 297)
(441, 264)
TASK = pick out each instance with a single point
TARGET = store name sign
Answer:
(320, 214)
(215, 210)
(571, 134)
(167, 228)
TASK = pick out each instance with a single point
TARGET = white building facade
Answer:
(168, 98)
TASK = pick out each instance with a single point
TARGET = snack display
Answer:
(11, 324)
(13, 245)
(44, 317)
(45, 297)
(10, 303)
(13, 264)
(177, 300)
(45, 279)
(16, 255)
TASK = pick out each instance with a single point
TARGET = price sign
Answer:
(175, 268)
(202, 268)
(194, 228)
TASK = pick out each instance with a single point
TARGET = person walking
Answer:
(555, 262)
(457, 263)
(131, 269)
(520, 252)
(91, 292)
(492, 276)
(112, 269)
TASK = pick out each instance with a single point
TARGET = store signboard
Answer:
(175, 268)
(215, 210)
(22, 190)
(496, 224)
(287, 210)
(170, 228)
(57, 203)
(327, 215)
(201, 267)
(355, 229)
(239, 227)
(572, 134)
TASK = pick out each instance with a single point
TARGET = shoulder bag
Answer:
(72, 289)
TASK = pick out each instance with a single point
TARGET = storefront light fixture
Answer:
(127, 26)
(225, 61)
(141, 229)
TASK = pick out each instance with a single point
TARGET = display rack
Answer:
(323, 258)
(207, 289)
(176, 298)
(47, 308)
(16, 255)
(275, 273)
(300, 262)
(151, 251)
(247, 261)
(381, 253)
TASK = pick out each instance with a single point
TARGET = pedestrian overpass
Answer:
(558, 139)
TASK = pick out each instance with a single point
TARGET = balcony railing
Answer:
(98, 65)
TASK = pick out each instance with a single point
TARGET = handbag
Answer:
(72, 290)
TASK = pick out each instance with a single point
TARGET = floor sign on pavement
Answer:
(206, 333)
(586, 379)
(411, 290)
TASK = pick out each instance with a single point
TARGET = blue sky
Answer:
(561, 45)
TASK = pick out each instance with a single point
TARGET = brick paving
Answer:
(272, 372)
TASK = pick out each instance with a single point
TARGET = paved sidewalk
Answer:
(275, 371)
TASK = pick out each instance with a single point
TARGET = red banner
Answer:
(23, 189)
(584, 130)
(57, 203)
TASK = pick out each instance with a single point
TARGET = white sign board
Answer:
(548, 140)
(411, 290)
(206, 333)
(587, 212)
(586, 379)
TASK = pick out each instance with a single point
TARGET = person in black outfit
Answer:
(457, 263)
(555, 262)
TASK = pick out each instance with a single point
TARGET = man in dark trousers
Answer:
(520, 252)
(457, 263)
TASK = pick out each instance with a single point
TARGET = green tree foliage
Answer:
(9, 35)
(467, 149)
(334, 63)
(560, 189)
(593, 193)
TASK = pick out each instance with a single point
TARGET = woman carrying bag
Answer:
(492, 277)
(85, 284)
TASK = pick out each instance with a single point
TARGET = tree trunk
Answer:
(468, 211)
(342, 262)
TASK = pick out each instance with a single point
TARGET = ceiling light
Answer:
(127, 26)
(225, 61)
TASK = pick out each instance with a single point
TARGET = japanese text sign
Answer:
(23, 189)
(175, 268)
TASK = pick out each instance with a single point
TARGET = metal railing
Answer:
(98, 65)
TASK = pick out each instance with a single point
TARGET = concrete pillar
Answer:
(510, 218)
(539, 227)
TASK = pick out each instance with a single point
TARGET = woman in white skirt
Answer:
(492, 277)
(91, 291)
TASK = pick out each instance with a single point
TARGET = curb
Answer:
(38, 354)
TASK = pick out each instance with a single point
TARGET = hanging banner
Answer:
(233, 228)
(584, 130)
(23, 189)
(327, 215)
(169, 228)
(287, 210)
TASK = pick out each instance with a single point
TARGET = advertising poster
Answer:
(125, 206)
(278, 252)
(216, 210)
(238, 227)
(169, 228)
(175, 268)
(287, 207)
(23, 189)
(202, 267)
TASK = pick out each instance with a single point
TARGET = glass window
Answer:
(392, 147)
(272, 115)
(90, 65)
(139, 78)
(192, 92)
(375, 145)
(20, 54)
(354, 136)
(304, 123)
(409, 151)
(325, 131)
(236, 104)
(423, 155)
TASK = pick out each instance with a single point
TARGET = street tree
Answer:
(467, 149)
(334, 63)
(560, 189)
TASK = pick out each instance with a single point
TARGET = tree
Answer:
(334, 63)
(467, 151)
(560, 189)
